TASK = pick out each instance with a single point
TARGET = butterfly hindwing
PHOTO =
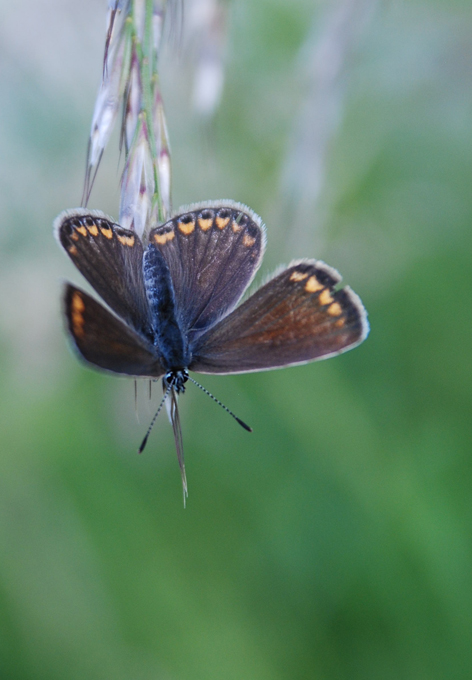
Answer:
(104, 340)
(110, 258)
(212, 251)
(294, 318)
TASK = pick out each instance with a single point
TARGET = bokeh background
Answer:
(335, 542)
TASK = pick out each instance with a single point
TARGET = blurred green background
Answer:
(335, 542)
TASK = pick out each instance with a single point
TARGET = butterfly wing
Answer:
(105, 341)
(213, 251)
(294, 318)
(110, 258)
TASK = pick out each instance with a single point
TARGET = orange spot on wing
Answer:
(72, 250)
(313, 285)
(82, 230)
(74, 236)
(335, 309)
(107, 232)
(78, 307)
(126, 240)
(93, 229)
(205, 224)
(221, 222)
(77, 303)
(325, 297)
(298, 276)
(161, 239)
(248, 241)
(236, 227)
(186, 227)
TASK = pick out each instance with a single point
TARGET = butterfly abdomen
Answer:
(168, 336)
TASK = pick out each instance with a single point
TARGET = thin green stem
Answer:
(148, 76)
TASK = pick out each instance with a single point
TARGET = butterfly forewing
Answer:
(110, 258)
(105, 341)
(213, 252)
(294, 318)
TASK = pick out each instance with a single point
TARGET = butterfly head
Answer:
(175, 380)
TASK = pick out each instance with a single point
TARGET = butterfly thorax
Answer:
(169, 340)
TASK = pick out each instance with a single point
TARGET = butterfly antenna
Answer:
(238, 420)
(144, 442)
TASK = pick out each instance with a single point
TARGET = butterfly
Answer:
(173, 298)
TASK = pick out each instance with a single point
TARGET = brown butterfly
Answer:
(174, 298)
